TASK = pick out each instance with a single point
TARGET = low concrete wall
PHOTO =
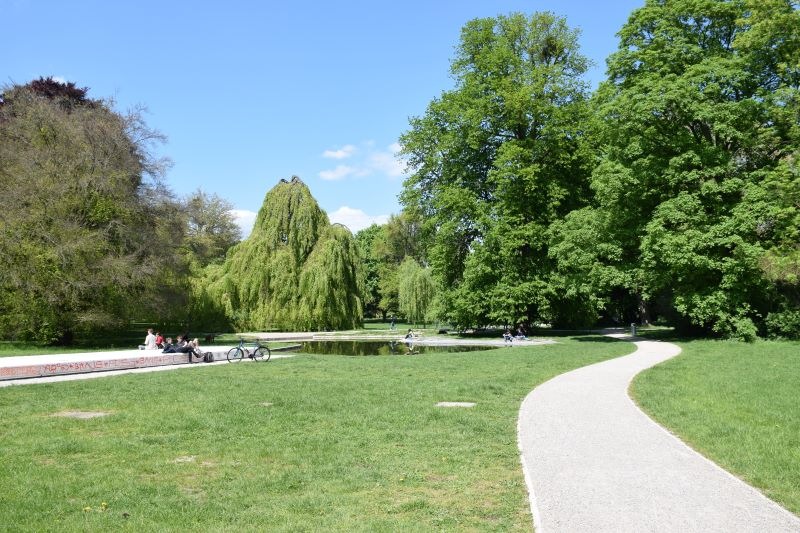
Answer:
(100, 364)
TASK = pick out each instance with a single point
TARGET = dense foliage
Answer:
(673, 195)
(415, 291)
(84, 221)
(697, 129)
(294, 271)
(383, 250)
(495, 161)
(211, 227)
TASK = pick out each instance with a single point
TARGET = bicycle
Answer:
(260, 352)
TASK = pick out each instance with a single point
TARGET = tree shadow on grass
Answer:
(593, 338)
(669, 335)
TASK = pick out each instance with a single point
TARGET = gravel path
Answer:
(594, 462)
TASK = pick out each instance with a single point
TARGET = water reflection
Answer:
(351, 347)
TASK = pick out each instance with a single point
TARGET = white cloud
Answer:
(355, 219)
(245, 220)
(59, 79)
(337, 173)
(342, 153)
(387, 163)
(371, 161)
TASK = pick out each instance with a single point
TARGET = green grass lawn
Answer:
(738, 404)
(310, 443)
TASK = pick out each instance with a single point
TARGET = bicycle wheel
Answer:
(262, 353)
(235, 354)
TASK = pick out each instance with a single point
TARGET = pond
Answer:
(351, 347)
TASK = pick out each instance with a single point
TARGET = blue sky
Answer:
(251, 92)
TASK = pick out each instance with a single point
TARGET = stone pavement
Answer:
(29, 369)
(594, 461)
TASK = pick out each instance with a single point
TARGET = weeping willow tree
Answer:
(294, 271)
(416, 291)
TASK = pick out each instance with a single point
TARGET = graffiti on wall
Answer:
(79, 367)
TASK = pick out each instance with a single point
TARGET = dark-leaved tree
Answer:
(84, 218)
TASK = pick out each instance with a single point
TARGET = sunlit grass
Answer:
(738, 404)
(311, 443)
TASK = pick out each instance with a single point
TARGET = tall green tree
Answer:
(696, 121)
(211, 228)
(365, 240)
(495, 162)
(294, 271)
(383, 248)
(84, 218)
(400, 238)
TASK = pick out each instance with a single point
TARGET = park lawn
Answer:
(301, 444)
(737, 404)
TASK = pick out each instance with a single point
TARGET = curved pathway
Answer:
(594, 462)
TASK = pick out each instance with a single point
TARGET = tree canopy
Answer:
(383, 249)
(495, 161)
(84, 219)
(294, 271)
(211, 227)
(671, 193)
(697, 127)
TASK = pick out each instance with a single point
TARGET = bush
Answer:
(785, 324)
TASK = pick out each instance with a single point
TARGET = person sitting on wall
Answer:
(194, 350)
(188, 347)
(507, 337)
(150, 340)
(178, 347)
(159, 340)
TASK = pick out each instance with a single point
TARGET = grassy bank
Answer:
(738, 404)
(300, 444)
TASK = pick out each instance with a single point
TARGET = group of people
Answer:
(153, 341)
(510, 337)
(156, 341)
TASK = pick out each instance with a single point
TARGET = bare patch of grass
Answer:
(83, 415)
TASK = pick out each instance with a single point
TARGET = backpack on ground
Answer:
(208, 357)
